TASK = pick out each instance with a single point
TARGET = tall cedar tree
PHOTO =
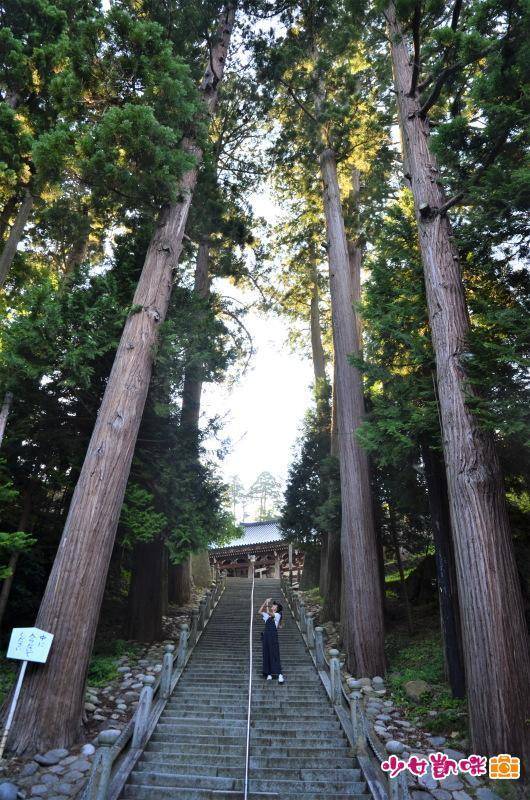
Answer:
(50, 711)
(493, 625)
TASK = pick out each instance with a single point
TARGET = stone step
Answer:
(185, 793)
(306, 742)
(290, 771)
(281, 708)
(298, 748)
(265, 761)
(194, 781)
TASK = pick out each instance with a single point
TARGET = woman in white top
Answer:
(271, 611)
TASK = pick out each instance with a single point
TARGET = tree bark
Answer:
(15, 235)
(50, 708)
(191, 394)
(144, 617)
(4, 414)
(332, 597)
(323, 577)
(363, 612)
(317, 349)
(445, 568)
(180, 582)
(311, 570)
(7, 583)
(495, 639)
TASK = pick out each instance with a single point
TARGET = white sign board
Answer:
(30, 644)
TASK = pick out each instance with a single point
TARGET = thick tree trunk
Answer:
(50, 709)
(363, 614)
(4, 414)
(144, 614)
(495, 639)
(445, 568)
(79, 250)
(323, 576)
(179, 582)
(317, 349)
(311, 570)
(15, 235)
(191, 394)
(332, 597)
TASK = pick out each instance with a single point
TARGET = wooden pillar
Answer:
(276, 565)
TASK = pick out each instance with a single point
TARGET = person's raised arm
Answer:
(264, 606)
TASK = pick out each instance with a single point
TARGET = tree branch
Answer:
(298, 101)
(437, 89)
(496, 149)
(456, 14)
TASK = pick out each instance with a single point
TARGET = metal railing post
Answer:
(249, 706)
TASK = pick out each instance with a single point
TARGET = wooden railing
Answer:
(119, 751)
(349, 706)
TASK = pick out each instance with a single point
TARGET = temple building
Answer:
(265, 541)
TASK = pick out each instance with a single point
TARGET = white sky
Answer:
(262, 412)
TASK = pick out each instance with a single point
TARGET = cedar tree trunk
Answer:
(15, 235)
(445, 568)
(331, 607)
(494, 633)
(311, 570)
(179, 582)
(4, 413)
(50, 710)
(363, 611)
(144, 613)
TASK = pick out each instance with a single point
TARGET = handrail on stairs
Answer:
(250, 666)
(118, 752)
(349, 707)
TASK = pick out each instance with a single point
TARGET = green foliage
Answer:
(312, 494)
(102, 670)
(422, 659)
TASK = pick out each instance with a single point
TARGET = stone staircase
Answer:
(197, 751)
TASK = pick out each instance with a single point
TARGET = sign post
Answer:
(26, 644)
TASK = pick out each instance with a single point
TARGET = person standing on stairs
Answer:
(271, 611)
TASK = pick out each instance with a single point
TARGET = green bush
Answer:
(102, 670)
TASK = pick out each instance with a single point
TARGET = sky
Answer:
(262, 412)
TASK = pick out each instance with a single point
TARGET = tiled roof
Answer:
(254, 533)
(259, 532)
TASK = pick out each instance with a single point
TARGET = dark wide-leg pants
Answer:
(271, 649)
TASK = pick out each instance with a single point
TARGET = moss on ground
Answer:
(419, 656)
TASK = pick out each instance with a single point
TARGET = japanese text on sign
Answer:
(30, 644)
